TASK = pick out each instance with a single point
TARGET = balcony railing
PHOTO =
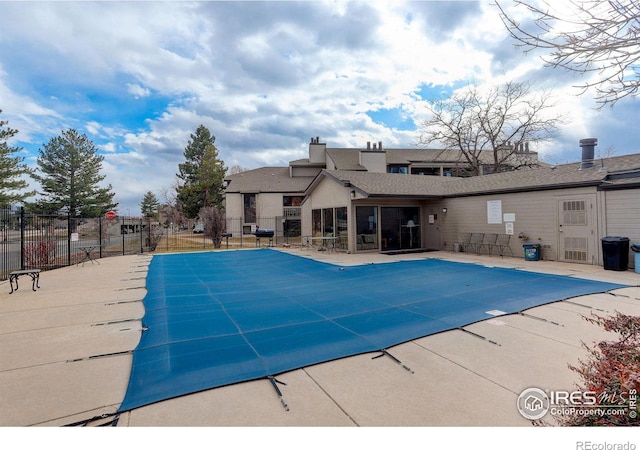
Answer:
(291, 212)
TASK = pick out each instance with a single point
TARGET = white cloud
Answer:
(137, 91)
(264, 77)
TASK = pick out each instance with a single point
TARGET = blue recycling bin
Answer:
(635, 248)
(531, 252)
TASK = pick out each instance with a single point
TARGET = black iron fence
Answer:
(29, 241)
(238, 235)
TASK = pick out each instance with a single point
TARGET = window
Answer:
(397, 169)
(327, 222)
(366, 228)
(330, 222)
(400, 228)
(291, 201)
(316, 217)
(426, 171)
(341, 227)
(249, 208)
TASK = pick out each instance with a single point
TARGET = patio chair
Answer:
(465, 239)
(476, 241)
(502, 244)
(488, 241)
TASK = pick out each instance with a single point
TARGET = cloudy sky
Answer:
(139, 77)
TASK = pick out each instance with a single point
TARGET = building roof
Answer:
(349, 158)
(389, 184)
(620, 171)
(413, 156)
(346, 158)
(266, 179)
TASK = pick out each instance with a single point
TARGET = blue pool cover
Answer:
(217, 318)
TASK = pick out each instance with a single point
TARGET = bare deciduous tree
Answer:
(235, 169)
(171, 208)
(215, 223)
(492, 130)
(590, 37)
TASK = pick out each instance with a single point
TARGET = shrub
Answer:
(612, 371)
(39, 253)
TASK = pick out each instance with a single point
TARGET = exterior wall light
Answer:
(444, 210)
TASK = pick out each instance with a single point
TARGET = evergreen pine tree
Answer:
(149, 206)
(12, 169)
(69, 173)
(201, 175)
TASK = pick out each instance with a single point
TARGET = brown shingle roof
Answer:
(554, 177)
(266, 179)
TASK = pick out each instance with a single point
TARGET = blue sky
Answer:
(139, 77)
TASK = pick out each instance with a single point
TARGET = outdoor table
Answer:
(327, 242)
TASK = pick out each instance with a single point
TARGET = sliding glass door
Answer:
(400, 228)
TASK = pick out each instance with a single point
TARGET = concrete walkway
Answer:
(65, 357)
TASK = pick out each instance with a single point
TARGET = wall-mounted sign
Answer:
(508, 228)
(494, 211)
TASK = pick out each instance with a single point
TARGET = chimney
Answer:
(380, 145)
(317, 151)
(368, 145)
(588, 151)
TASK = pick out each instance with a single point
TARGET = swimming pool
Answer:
(218, 318)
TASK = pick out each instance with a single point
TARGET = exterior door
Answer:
(400, 228)
(576, 230)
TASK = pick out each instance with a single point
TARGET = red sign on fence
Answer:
(110, 215)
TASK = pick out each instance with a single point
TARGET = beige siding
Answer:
(269, 205)
(233, 205)
(535, 213)
(623, 216)
(304, 171)
(374, 161)
(329, 194)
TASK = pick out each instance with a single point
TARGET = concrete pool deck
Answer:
(66, 353)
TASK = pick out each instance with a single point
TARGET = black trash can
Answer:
(531, 252)
(615, 253)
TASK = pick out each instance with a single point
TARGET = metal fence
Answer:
(238, 235)
(46, 242)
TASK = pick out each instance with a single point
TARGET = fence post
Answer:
(100, 235)
(22, 238)
(141, 247)
(69, 238)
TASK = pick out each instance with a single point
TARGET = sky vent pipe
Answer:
(588, 152)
